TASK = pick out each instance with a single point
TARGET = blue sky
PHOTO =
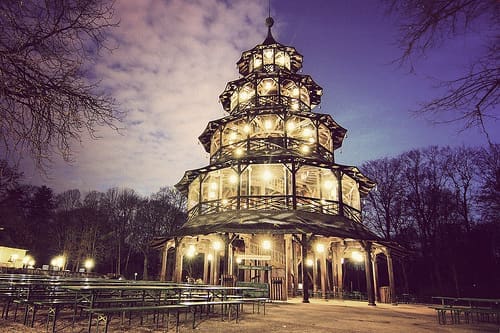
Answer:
(175, 57)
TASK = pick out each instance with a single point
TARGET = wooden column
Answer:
(288, 265)
(179, 256)
(322, 266)
(340, 270)
(392, 286)
(335, 272)
(375, 277)
(295, 267)
(215, 268)
(315, 274)
(305, 277)
(369, 272)
(206, 264)
(164, 256)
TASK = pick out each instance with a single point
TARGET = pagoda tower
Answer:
(273, 198)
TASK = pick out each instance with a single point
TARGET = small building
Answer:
(10, 255)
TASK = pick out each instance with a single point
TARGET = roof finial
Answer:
(269, 24)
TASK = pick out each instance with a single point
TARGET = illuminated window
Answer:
(246, 93)
(210, 188)
(229, 183)
(304, 96)
(282, 59)
(268, 179)
(215, 142)
(193, 194)
(267, 126)
(267, 87)
(329, 185)
(234, 101)
(268, 56)
(325, 137)
(257, 61)
(290, 89)
(308, 182)
(350, 192)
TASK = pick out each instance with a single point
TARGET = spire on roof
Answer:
(269, 39)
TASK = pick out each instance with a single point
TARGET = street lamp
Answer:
(266, 244)
(58, 262)
(89, 264)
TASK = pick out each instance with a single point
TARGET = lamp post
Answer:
(89, 264)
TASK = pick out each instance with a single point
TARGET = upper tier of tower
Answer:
(270, 79)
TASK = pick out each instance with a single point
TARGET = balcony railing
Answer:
(275, 202)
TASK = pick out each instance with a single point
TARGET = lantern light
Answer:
(357, 256)
(216, 245)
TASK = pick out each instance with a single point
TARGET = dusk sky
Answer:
(175, 58)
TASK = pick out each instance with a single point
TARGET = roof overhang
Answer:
(276, 222)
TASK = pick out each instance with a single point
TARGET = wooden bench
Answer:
(256, 301)
(233, 303)
(455, 313)
(104, 314)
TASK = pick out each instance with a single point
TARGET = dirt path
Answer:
(294, 317)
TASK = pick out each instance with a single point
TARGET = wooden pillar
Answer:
(392, 286)
(288, 265)
(375, 277)
(315, 274)
(215, 268)
(369, 272)
(305, 276)
(324, 273)
(179, 256)
(340, 270)
(230, 260)
(335, 272)
(164, 256)
(206, 264)
(295, 267)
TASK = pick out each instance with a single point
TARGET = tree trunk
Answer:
(145, 267)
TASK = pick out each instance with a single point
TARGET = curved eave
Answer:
(365, 183)
(277, 222)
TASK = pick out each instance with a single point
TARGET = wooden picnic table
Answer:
(481, 308)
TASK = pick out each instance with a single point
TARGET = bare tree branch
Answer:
(47, 100)
(473, 98)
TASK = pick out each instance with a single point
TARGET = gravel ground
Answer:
(319, 316)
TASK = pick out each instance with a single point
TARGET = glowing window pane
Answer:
(268, 56)
(267, 87)
(257, 61)
(304, 96)
(350, 192)
(193, 193)
(325, 137)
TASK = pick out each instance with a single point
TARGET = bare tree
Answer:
(121, 206)
(9, 177)
(385, 204)
(473, 97)
(47, 97)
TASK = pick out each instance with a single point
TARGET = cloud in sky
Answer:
(173, 60)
